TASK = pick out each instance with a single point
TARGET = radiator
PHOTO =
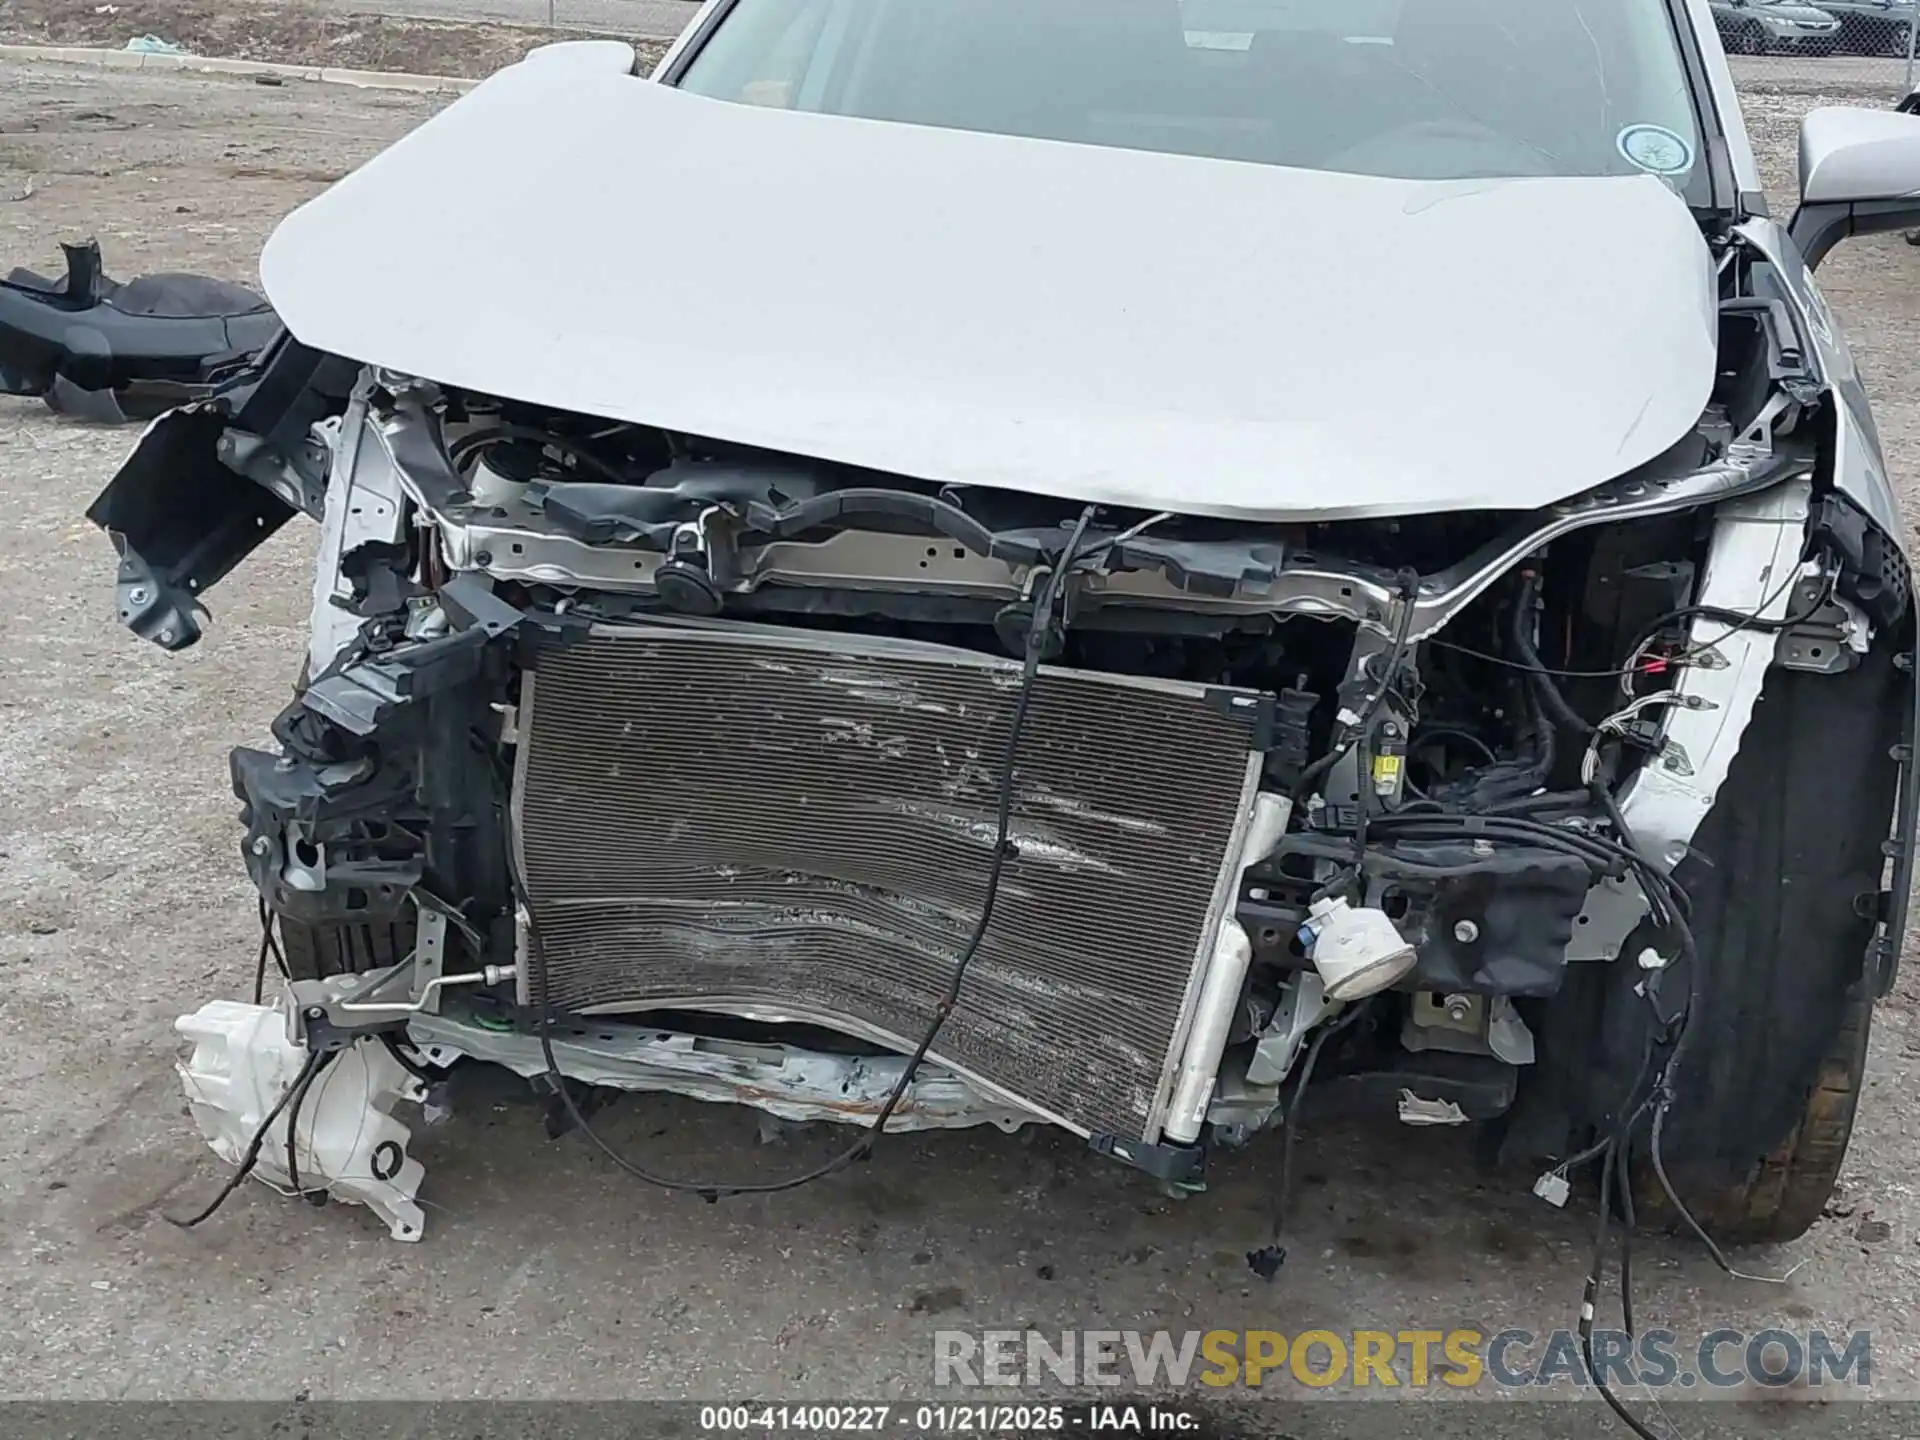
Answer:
(797, 826)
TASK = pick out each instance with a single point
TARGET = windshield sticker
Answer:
(1656, 149)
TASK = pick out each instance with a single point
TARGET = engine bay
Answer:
(670, 763)
(1439, 706)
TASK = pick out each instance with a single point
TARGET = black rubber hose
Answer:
(1554, 702)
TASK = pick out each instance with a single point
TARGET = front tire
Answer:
(1785, 881)
(1788, 1190)
(1783, 917)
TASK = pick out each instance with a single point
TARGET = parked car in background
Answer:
(1873, 27)
(1758, 27)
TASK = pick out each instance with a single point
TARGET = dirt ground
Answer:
(289, 33)
(544, 1272)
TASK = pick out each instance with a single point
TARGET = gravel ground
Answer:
(544, 1272)
(339, 35)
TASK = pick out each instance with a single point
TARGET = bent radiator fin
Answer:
(795, 825)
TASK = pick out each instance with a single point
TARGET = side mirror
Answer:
(1859, 174)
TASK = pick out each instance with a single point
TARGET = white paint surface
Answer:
(1139, 329)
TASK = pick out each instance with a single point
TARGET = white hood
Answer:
(1138, 329)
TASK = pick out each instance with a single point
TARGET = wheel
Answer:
(1788, 1190)
(1783, 917)
(1784, 883)
(1749, 39)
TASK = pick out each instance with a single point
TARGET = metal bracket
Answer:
(1303, 1006)
(1182, 1165)
(1831, 639)
(1757, 544)
(320, 1024)
(332, 1013)
(1673, 758)
(429, 958)
(781, 1080)
(1467, 1024)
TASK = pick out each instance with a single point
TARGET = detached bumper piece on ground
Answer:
(113, 352)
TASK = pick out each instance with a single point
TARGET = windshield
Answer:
(1418, 89)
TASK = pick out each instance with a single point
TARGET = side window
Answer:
(761, 54)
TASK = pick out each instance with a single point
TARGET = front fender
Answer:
(1859, 465)
(1859, 473)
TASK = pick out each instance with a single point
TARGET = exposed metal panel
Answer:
(782, 823)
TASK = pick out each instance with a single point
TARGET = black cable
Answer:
(1738, 621)
(1510, 663)
(1266, 1261)
(478, 441)
(260, 969)
(1396, 657)
(1513, 829)
(1451, 732)
(279, 956)
(1365, 800)
(1687, 1023)
(1624, 1180)
(252, 1154)
(1497, 827)
(1520, 828)
(1036, 632)
(1546, 743)
(1666, 1184)
(1616, 1184)
(1549, 693)
(1358, 740)
(406, 1062)
(1431, 828)
(1528, 806)
(268, 946)
(1590, 1293)
(1336, 885)
(300, 1089)
(1666, 897)
(1733, 619)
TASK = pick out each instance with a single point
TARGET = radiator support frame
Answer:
(1232, 752)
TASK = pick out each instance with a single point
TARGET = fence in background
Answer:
(1862, 49)
(1848, 49)
(640, 19)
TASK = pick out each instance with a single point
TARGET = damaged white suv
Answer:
(1090, 562)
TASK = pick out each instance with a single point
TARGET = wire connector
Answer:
(1267, 1260)
(1554, 1188)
